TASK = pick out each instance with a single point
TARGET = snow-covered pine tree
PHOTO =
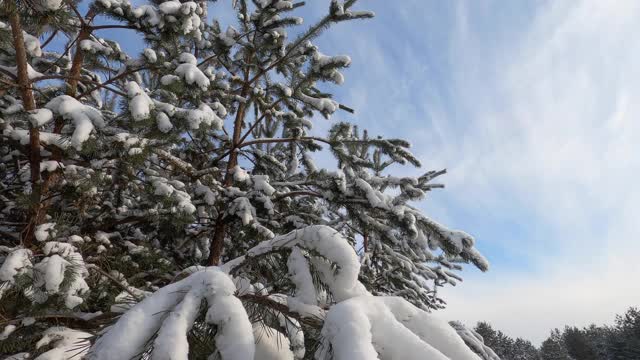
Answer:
(164, 204)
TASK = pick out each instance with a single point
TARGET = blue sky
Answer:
(529, 105)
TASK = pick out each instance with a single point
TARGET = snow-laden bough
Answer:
(356, 326)
(170, 313)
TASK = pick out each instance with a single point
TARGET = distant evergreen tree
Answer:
(504, 346)
(578, 344)
(494, 339)
(523, 350)
(618, 342)
(599, 338)
(553, 348)
(625, 338)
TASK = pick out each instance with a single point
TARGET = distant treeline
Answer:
(620, 341)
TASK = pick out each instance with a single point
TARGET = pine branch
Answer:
(78, 79)
(49, 39)
(78, 58)
(114, 280)
(111, 26)
(282, 308)
(71, 320)
(283, 140)
(307, 35)
(112, 80)
(298, 193)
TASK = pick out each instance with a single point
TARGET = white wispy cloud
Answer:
(559, 142)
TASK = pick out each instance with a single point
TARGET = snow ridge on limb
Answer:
(369, 327)
(359, 325)
(474, 341)
(66, 343)
(170, 312)
(328, 243)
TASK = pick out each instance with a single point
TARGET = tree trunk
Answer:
(78, 58)
(28, 102)
(217, 242)
(365, 242)
(72, 90)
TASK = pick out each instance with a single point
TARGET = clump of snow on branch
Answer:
(140, 104)
(61, 271)
(85, 117)
(40, 117)
(190, 73)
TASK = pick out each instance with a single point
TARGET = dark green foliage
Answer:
(578, 345)
(625, 338)
(504, 346)
(553, 348)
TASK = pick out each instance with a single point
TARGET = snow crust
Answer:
(149, 53)
(271, 344)
(16, 263)
(301, 277)
(31, 73)
(190, 73)
(40, 117)
(163, 187)
(60, 261)
(53, 269)
(203, 114)
(7, 331)
(96, 46)
(163, 122)
(44, 231)
(357, 326)
(50, 4)
(67, 343)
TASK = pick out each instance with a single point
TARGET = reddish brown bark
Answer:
(78, 57)
(72, 90)
(38, 208)
(217, 241)
(29, 103)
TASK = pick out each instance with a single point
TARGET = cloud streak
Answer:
(558, 143)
